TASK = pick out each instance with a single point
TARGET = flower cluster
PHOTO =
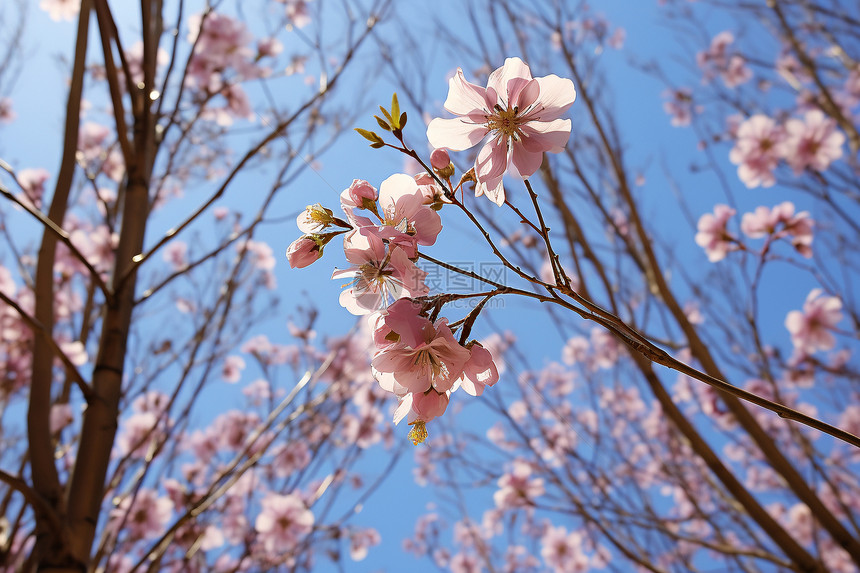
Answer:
(809, 143)
(416, 356)
(416, 359)
(773, 224)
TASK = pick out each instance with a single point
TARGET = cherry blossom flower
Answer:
(521, 116)
(146, 514)
(61, 9)
(7, 114)
(32, 181)
(479, 371)
(717, 59)
(757, 150)
(562, 551)
(377, 274)
(283, 522)
(424, 355)
(304, 251)
(713, 236)
(779, 222)
(405, 217)
(679, 106)
(517, 488)
(360, 541)
(810, 328)
(813, 142)
(231, 370)
(176, 253)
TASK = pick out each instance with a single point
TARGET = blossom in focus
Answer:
(304, 251)
(812, 142)
(424, 355)
(520, 114)
(713, 235)
(283, 522)
(757, 150)
(810, 328)
(377, 274)
(405, 218)
(479, 371)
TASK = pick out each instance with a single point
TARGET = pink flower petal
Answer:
(456, 134)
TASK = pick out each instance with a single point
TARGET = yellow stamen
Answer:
(418, 433)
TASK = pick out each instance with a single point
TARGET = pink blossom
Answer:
(360, 540)
(465, 563)
(176, 253)
(146, 515)
(737, 72)
(137, 434)
(757, 150)
(430, 404)
(282, 523)
(61, 9)
(716, 56)
(291, 457)
(520, 114)
(7, 114)
(439, 159)
(517, 488)
(810, 328)
(32, 181)
(713, 236)
(717, 59)
(61, 416)
(779, 222)
(269, 47)
(406, 220)
(377, 274)
(314, 219)
(562, 551)
(304, 251)
(479, 371)
(424, 356)
(360, 194)
(679, 106)
(813, 142)
(231, 370)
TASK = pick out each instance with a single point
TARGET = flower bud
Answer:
(303, 251)
(441, 163)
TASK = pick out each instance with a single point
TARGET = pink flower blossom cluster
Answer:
(416, 356)
(518, 118)
(809, 143)
(416, 359)
(717, 60)
(777, 223)
(780, 222)
(679, 106)
(811, 328)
